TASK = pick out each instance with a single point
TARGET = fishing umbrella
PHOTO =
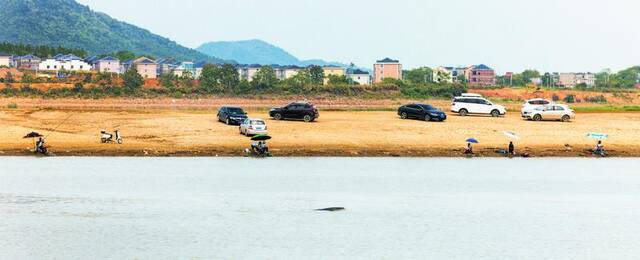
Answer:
(511, 135)
(33, 135)
(261, 138)
(473, 140)
(598, 136)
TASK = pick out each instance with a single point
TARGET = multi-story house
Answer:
(167, 66)
(27, 62)
(247, 72)
(106, 65)
(147, 68)
(480, 75)
(359, 76)
(386, 68)
(332, 70)
(5, 60)
(570, 80)
(62, 62)
(186, 67)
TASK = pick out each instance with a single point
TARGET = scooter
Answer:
(108, 138)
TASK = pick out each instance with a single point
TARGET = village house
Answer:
(332, 70)
(447, 74)
(184, 68)
(106, 65)
(480, 75)
(61, 62)
(247, 72)
(27, 62)
(386, 68)
(167, 66)
(359, 76)
(570, 80)
(5, 60)
(146, 67)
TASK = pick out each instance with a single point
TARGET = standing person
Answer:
(512, 148)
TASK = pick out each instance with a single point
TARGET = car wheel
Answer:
(537, 118)
(240, 128)
(277, 116)
(566, 118)
(427, 118)
(228, 122)
(404, 115)
(463, 112)
(307, 118)
(495, 113)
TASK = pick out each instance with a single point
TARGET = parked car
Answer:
(476, 104)
(253, 126)
(552, 112)
(231, 115)
(422, 112)
(532, 104)
(297, 110)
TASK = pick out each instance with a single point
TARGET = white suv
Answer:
(532, 104)
(476, 104)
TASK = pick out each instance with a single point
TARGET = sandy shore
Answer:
(195, 132)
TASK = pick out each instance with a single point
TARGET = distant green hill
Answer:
(70, 24)
(256, 52)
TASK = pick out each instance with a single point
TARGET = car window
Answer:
(257, 122)
(245, 122)
(235, 111)
(557, 108)
(413, 107)
(427, 107)
(544, 102)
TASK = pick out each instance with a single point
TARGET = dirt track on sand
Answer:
(194, 132)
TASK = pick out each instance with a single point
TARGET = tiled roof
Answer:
(482, 67)
(27, 57)
(109, 58)
(146, 61)
(388, 60)
(357, 72)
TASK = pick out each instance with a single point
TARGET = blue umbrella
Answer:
(599, 136)
(473, 140)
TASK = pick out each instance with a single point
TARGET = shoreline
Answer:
(539, 152)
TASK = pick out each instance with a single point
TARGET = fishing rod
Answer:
(59, 125)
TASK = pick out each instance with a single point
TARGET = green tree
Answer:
(168, 81)
(317, 74)
(527, 75)
(228, 76)
(340, 80)
(132, 80)
(421, 75)
(209, 78)
(265, 78)
(626, 78)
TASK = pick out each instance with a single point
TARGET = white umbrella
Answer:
(511, 135)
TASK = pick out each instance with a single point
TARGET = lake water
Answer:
(239, 208)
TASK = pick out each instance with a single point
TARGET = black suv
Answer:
(231, 115)
(296, 110)
(422, 112)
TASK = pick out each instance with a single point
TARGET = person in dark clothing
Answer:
(512, 149)
(469, 149)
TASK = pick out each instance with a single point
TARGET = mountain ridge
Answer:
(71, 24)
(257, 51)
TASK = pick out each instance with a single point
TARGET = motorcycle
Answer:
(109, 138)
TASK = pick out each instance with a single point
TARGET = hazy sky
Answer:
(509, 35)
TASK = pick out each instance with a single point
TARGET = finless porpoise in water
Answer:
(332, 209)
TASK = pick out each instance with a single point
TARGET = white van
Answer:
(469, 103)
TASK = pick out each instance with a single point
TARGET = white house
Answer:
(107, 65)
(67, 62)
(247, 72)
(359, 76)
(5, 60)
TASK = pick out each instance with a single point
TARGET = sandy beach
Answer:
(194, 131)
